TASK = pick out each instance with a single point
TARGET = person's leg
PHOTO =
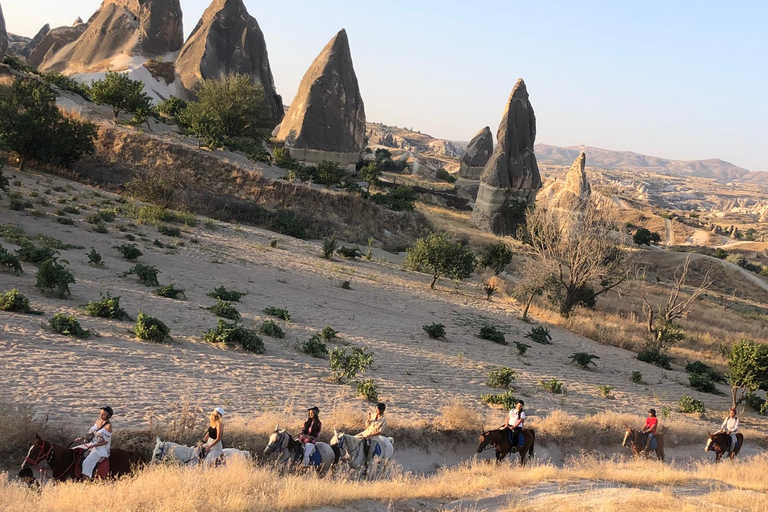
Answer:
(89, 464)
(308, 447)
(516, 438)
(648, 443)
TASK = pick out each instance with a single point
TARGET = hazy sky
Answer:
(677, 79)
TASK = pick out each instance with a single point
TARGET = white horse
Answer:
(190, 455)
(381, 449)
(319, 455)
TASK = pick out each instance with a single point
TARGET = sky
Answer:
(676, 79)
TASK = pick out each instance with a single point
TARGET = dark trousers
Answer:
(516, 437)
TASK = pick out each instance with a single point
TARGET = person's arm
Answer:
(724, 426)
(506, 423)
(205, 438)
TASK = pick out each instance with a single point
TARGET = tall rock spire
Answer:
(472, 163)
(3, 34)
(576, 190)
(511, 177)
(227, 40)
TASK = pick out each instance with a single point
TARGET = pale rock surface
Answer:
(3, 34)
(473, 162)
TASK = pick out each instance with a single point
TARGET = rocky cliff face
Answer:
(52, 42)
(3, 34)
(473, 162)
(401, 138)
(511, 177)
(327, 113)
(227, 39)
(23, 46)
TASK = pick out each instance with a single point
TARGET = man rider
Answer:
(651, 424)
(730, 426)
(373, 427)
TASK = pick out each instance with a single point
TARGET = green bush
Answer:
(699, 368)
(107, 307)
(146, 274)
(328, 333)
(129, 251)
(489, 288)
(68, 326)
(329, 246)
(491, 333)
(167, 230)
(443, 175)
(171, 292)
(605, 390)
(281, 313)
(583, 359)
(121, 93)
(552, 385)
(756, 403)
(282, 158)
(398, 198)
(702, 383)
(655, 357)
(689, 404)
(225, 309)
(270, 328)
(14, 302)
(222, 293)
(507, 400)
(346, 365)
(9, 261)
(315, 347)
(350, 252)
(66, 83)
(101, 216)
(151, 329)
(28, 252)
(539, 334)
(521, 347)
(496, 256)
(233, 334)
(637, 377)
(367, 389)
(434, 331)
(53, 278)
(501, 377)
(94, 258)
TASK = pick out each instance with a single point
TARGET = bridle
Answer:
(43, 453)
(353, 454)
(278, 444)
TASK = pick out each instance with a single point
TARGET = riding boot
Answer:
(366, 451)
(647, 448)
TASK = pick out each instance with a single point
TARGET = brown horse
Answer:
(64, 461)
(500, 441)
(634, 439)
(719, 443)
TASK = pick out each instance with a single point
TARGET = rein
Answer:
(350, 452)
(43, 455)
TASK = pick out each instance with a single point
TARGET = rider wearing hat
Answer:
(374, 424)
(516, 421)
(310, 432)
(98, 441)
(212, 447)
(651, 425)
(730, 426)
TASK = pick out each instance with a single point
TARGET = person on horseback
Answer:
(374, 424)
(516, 422)
(211, 447)
(310, 432)
(98, 441)
(651, 425)
(730, 426)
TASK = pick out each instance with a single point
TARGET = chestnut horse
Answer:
(719, 443)
(634, 439)
(500, 441)
(63, 461)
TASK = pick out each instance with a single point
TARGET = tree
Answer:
(747, 369)
(121, 93)
(644, 236)
(496, 256)
(370, 172)
(32, 125)
(202, 121)
(440, 256)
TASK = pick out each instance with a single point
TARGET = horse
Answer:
(321, 455)
(633, 439)
(500, 440)
(65, 463)
(381, 448)
(190, 455)
(719, 443)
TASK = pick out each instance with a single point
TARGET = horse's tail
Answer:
(533, 444)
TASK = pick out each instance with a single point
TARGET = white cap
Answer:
(219, 410)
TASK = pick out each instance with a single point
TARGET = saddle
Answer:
(520, 438)
(102, 467)
(654, 442)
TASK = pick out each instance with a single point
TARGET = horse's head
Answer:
(484, 439)
(158, 452)
(710, 440)
(276, 441)
(40, 451)
(338, 441)
(629, 437)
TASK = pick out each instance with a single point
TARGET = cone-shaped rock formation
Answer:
(227, 40)
(576, 190)
(52, 42)
(473, 162)
(3, 34)
(327, 115)
(511, 177)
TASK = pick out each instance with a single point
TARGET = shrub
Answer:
(233, 334)
(129, 251)
(328, 333)
(282, 158)
(121, 93)
(28, 252)
(583, 359)
(94, 258)
(755, 402)
(107, 307)
(496, 256)
(369, 251)
(699, 368)
(68, 326)
(552, 385)
(489, 288)
(225, 309)
(721, 253)
(14, 302)
(66, 83)
(346, 365)
(637, 377)
(655, 357)
(491, 333)
(171, 292)
(101, 216)
(501, 377)
(9, 261)
(315, 347)
(171, 107)
(367, 389)
(146, 274)
(539, 334)
(349, 252)
(434, 331)
(281, 313)
(689, 404)
(222, 293)
(167, 230)
(440, 256)
(329, 246)
(644, 236)
(270, 328)
(605, 390)
(151, 329)
(443, 175)
(65, 220)
(54, 279)
(702, 383)
(521, 347)
(507, 400)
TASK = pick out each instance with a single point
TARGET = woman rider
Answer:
(211, 442)
(651, 425)
(310, 432)
(516, 421)
(98, 440)
(730, 426)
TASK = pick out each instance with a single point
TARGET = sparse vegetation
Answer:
(489, 288)
(440, 256)
(233, 334)
(129, 251)
(367, 389)
(584, 359)
(280, 313)
(506, 400)
(171, 292)
(167, 230)
(636, 377)
(151, 329)
(29, 253)
(54, 279)
(222, 293)
(689, 404)
(657, 358)
(13, 301)
(225, 309)
(9, 261)
(552, 385)
(434, 331)
(146, 274)
(605, 390)
(346, 365)
(644, 236)
(521, 347)
(443, 175)
(500, 377)
(107, 307)
(699, 368)
(315, 347)
(349, 252)
(328, 333)
(539, 334)
(329, 246)
(94, 258)
(491, 333)
(68, 326)
(270, 328)
(496, 256)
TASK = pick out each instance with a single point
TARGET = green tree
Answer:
(202, 122)
(121, 93)
(496, 256)
(644, 236)
(371, 173)
(440, 256)
(747, 369)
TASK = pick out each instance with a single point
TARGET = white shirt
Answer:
(100, 435)
(513, 418)
(730, 424)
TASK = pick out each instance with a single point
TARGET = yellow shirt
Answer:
(374, 426)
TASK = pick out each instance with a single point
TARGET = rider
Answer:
(98, 441)
(310, 432)
(730, 426)
(211, 445)
(651, 424)
(374, 424)
(516, 421)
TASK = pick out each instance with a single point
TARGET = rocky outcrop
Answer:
(52, 42)
(510, 179)
(78, 21)
(227, 39)
(327, 116)
(3, 34)
(473, 162)
(576, 190)
(148, 28)
(23, 46)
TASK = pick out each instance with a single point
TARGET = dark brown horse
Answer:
(634, 439)
(500, 441)
(718, 442)
(64, 461)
